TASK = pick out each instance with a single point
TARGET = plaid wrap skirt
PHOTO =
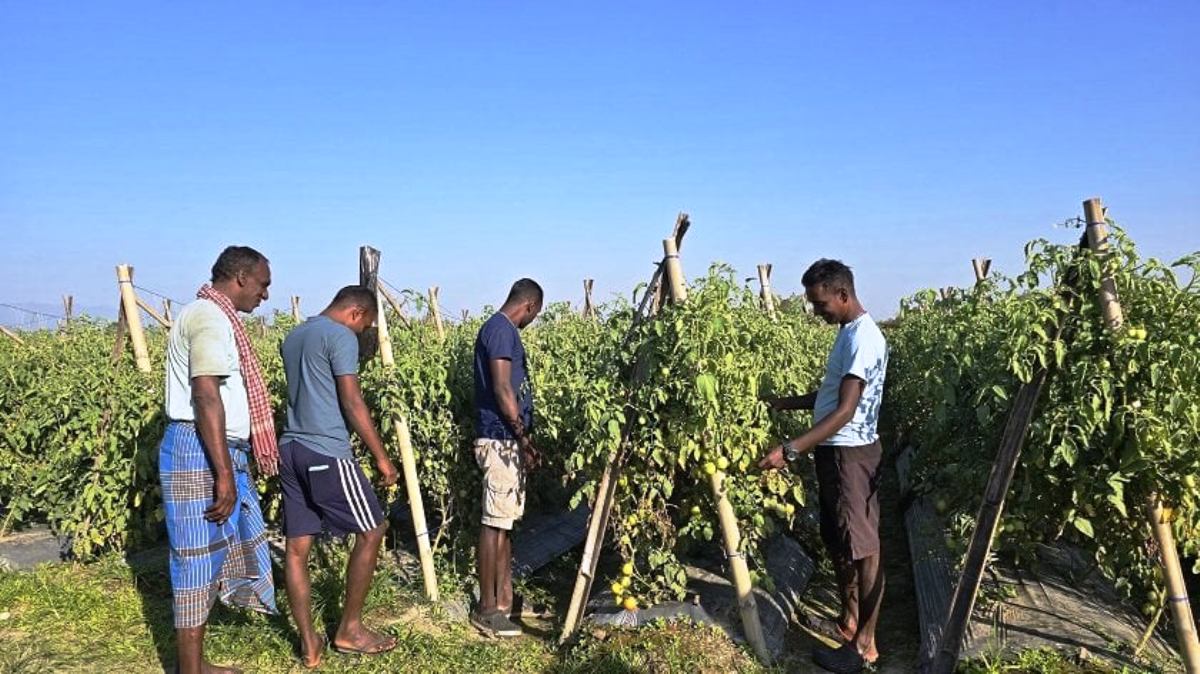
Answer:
(208, 561)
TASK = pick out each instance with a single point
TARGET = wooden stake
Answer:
(369, 277)
(68, 308)
(729, 524)
(675, 280)
(981, 265)
(133, 320)
(606, 491)
(764, 284)
(435, 313)
(1097, 236)
(122, 334)
(589, 310)
(167, 311)
(12, 335)
(296, 308)
(738, 568)
(153, 314)
(1177, 596)
(396, 305)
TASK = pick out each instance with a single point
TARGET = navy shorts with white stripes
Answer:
(322, 492)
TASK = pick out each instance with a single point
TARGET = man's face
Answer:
(532, 309)
(361, 318)
(827, 303)
(252, 287)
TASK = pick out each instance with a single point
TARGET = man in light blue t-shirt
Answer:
(324, 488)
(848, 456)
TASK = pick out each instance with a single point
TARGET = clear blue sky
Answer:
(475, 143)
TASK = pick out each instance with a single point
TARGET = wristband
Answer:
(790, 453)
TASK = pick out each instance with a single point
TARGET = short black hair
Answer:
(355, 296)
(832, 274)
(525, 290)
(234, 260)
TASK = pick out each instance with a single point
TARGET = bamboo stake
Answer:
(981, 265)
(1160, 526)
(589, 310)
(738, 568)
(133, 320)
(12, 335)
(764, 283)
(296, 308)
(68, 307)
(153, 314)
(262, 326)
(396, 305)
(729, 524)
(436, 313)
(122, 334)
(606, 493)
(369, 276)
(167, 311)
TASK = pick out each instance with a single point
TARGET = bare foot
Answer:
(363, 641)
(311, 651)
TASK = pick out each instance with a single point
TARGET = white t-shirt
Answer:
(200, 344)
(861, 351)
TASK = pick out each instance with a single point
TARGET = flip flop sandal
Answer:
(830, 629)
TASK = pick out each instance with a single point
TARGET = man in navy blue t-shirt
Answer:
(504, 449)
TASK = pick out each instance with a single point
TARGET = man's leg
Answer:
(486, 558)
(360, 570)
(189, 643)
(504, 589)
(299, 591)
(870, 582)
(848, 590)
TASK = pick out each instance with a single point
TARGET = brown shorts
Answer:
(848, 485)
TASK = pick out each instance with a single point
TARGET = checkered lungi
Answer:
(229, 561)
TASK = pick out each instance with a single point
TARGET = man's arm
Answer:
(849, 394)
(210, 424)
(354, 409)
(785, 403)
(506, 402)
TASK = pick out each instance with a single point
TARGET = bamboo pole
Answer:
(1097, 236)
(122, 334)
(153, 314)
(12, 335)
(764, 284)
(68, 307)
(133, 320)
(396, 305)
(1160, 526)
(981, 265)
(606, 492)
(296, 308)
(436, 313)
(167, 311)
(729, 525)
(589, 310)
(738, 568)
(369, 277)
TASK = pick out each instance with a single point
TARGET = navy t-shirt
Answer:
(499, 338)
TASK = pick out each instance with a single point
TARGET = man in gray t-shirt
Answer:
(324, 488)
(848, 455)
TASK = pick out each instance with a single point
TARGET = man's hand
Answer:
(224, 500)
(530, 455)
(773, 460)
(387, 472)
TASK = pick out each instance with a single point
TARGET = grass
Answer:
(1040, 661)
(112, 616)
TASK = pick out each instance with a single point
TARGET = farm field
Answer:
(677, 393)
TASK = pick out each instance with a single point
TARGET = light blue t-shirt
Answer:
(314, 353)
(861, 351)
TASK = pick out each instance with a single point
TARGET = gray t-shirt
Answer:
(314, 353)
(859, 351)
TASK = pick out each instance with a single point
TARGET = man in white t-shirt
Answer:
(848, 456)
(218, 546)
